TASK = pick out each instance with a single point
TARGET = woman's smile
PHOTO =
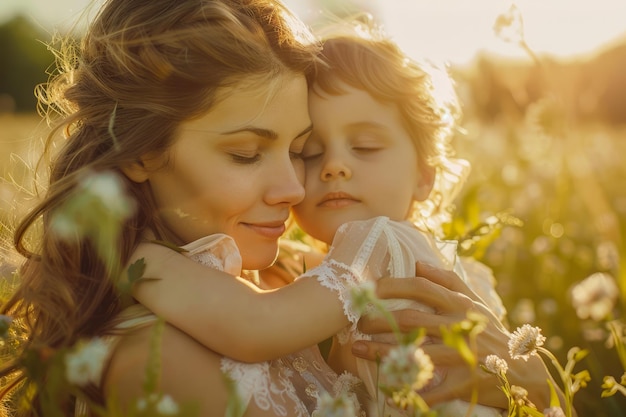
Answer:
(271, 230)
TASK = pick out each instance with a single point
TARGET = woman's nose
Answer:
(287, 185)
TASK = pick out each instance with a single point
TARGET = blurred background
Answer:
(543, 87)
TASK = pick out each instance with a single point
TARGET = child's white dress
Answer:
(370, 249)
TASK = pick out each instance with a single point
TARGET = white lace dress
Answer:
(288, 386)
(371, 249)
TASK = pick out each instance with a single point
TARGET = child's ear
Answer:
(425, 183)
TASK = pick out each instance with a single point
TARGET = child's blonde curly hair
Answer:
(362, 56)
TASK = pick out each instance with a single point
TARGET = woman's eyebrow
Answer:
(265, 133)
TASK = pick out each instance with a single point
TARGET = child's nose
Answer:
(335, 169)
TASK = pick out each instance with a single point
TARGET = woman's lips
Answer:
(268, 230)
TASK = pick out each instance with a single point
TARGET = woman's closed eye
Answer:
(245, 158)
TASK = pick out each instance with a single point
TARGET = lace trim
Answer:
(340, 278)
(397, 266)
(369, 244)
(253, 381)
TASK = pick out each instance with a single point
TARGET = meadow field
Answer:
(549, 154)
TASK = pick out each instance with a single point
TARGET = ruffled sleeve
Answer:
(368, 250)
(218, 251)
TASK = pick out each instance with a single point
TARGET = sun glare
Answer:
(455, 30)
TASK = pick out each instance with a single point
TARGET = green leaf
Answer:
(136, 270)
(153, 369)
(554, 398)
(235, 406)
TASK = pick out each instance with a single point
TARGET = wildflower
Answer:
(142, 403)
(519, 396)
(509, 26)
(553, 412)
(167, 406)
(406, 365)
(346, 384)
(96, 209)
(525, 341)
(363, 296)
(611, 386)
(496, 365)
(84, 363)
(340, 406)
(108, 188)
(607, 255)
(595, 296)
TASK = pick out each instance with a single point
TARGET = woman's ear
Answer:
(425, 182)
(136, 171)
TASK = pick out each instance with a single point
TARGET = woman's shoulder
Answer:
(186, 370)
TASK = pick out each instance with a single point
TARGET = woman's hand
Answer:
(451, 300)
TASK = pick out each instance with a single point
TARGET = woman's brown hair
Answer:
(142, 68)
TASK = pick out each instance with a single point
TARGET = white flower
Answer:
(346, 384)
(519, 395)
(167, 406)
(163, 404)
(64, 226)
(142, 404)
(496, 365)
(607, 255)
(339, 406)
(525, 341)
(595, 296)
(363, 296)
(84, 363)
(553, 412)
(109, 189)
(406, 365)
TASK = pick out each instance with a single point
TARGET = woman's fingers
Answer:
(424, 291)
(443, 277)
(407, 320)
(370, 350)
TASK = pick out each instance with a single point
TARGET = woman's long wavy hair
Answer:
(142, 68)
(361, 55)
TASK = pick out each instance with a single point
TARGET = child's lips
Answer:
(338, 199)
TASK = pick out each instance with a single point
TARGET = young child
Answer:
(378, 178)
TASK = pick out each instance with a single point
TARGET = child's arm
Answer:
(230, 315)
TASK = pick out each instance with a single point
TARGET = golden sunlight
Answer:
(455, 30)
